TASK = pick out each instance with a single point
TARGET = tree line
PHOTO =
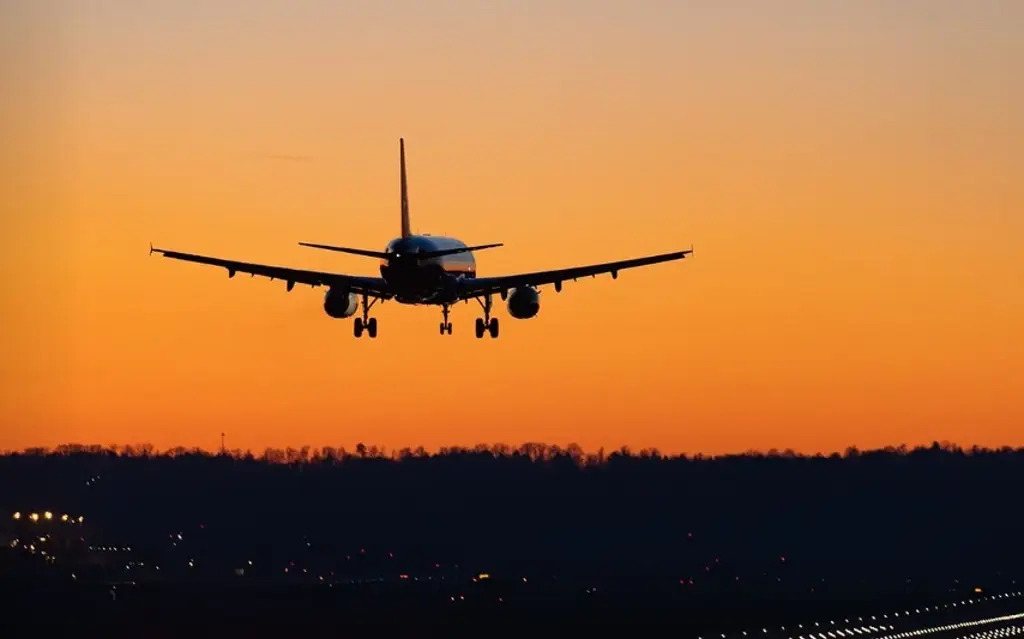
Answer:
(900, 510)
(536, 452)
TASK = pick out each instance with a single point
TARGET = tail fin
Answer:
(406, 230)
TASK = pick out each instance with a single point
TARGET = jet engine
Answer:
(523, 303)
(340, 303)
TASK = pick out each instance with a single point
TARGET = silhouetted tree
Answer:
(892, 511)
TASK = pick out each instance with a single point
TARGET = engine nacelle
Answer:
(340, 303)
(523, 303)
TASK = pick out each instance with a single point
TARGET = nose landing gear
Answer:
(446, 326)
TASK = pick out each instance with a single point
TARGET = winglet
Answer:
(150, 248)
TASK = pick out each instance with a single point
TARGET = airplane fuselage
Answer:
(428, 280)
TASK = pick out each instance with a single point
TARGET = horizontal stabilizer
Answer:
(453, 251)
(423, 255)
(344, 249)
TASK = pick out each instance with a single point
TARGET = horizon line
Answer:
(498, 449)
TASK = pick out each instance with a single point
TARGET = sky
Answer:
(848, 172)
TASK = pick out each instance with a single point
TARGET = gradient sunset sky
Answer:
(851, 175)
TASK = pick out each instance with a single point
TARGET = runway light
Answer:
(48, 515)
(17, 515)
(34, 516)
(64, 517)
(81, 519)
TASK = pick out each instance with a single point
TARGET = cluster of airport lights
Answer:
(49, 516)
(881, 623)
(1008, 631)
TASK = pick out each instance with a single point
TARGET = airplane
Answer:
(422, 269)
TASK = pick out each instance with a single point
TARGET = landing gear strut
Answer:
(366, 322)
(446, 326)
(486, 323)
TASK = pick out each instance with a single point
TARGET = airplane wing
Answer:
(373, 286)
(484, 285)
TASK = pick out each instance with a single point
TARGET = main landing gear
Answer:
(486, 323)
(446, 326)
(366, 322)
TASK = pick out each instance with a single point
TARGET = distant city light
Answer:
(17, 515)
(64, 517)
(48, 515)
(34, 517)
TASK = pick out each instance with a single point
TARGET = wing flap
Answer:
(373, 286)
(489, 285)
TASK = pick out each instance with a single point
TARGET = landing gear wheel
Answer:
(366, 322)
(446, 326)
(486, 323)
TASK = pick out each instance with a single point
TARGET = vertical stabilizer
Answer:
(406, 231)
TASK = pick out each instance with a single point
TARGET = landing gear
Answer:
(487, 327)
(367, 323)
(446, 326)
(486, 323)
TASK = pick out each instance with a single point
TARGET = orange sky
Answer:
(850, 174)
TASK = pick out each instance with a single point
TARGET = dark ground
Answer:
(180, 610)
(691, 546)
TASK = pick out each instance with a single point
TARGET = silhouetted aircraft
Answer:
(426, 270)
